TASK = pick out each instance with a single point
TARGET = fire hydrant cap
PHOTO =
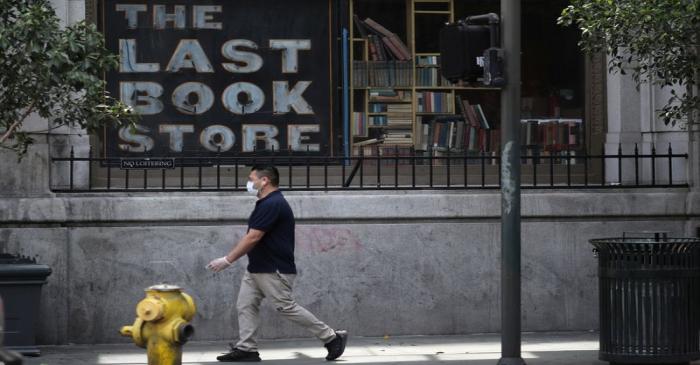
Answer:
(150, 310)
(164, 287)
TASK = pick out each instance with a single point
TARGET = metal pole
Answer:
(346, 95)
(510, 187)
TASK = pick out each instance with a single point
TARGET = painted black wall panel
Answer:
(258, 21)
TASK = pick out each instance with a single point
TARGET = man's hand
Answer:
(219, 264)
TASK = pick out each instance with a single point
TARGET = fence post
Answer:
(218, 166)
(72, 157)
(670, 164)
(653, 165)
(636, 165)
(619, 164)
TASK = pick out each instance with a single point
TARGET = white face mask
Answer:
(251, 188)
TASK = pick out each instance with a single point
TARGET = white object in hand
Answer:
(219, 264)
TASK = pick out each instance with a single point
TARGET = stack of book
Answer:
(551, 137)
(387, 73)
(360, 74)
(390, 113)
(398, 137)
(359, 124)
(399, 115)
(378, 120)
(428, 72)
(468, 132)
(480, 136)
(383, 44)
(551, 134)
(399, 129)
(389, 57)
(386, 152)
(434, 102)
(380, 95)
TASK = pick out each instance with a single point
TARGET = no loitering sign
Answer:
(146, 163)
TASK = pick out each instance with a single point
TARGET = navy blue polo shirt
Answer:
(275, 251)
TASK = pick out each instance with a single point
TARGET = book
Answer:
(459, 136)
(360, 26)
(428, 72)
(372, 50)
(434, 102)
(393, 38)
(400, 47)
(359, 74)
(482, 118)
(389, 95)
(463, 107)
(378, 120)
(395, 52)
(378, 46)
(389, 73)
(359, 124)
(426, 135)
(382, 47)
(367, 142)
(473, 119)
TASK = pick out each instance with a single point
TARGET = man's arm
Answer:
(245, 244)
(241, 248)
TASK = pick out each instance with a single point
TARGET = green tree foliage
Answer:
(52, 71)
(657, 40)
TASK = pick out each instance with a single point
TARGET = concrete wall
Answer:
(375, 263)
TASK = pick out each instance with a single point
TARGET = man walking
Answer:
(269, 244)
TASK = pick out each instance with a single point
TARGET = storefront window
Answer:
(403, 102)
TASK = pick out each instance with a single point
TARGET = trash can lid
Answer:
(24, 271)
(664, 240)
(21, 267)
(688, 244)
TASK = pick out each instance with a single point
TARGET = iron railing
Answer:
(385, 170)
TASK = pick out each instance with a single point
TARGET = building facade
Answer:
(375, 262)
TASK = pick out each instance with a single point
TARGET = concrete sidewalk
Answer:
(479, 349)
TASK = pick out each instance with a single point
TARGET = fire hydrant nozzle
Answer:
(162, 324)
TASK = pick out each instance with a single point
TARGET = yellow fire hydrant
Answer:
(161, 325)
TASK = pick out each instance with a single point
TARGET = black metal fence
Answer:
(400, 169)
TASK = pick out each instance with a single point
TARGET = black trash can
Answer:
(21, 279)
(649, 297)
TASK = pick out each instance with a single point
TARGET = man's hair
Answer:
(268, 171)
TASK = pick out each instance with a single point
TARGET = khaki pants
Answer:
(278, 289)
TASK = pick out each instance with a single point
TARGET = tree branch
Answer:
(17, 123)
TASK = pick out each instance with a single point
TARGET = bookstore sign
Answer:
(220, 77)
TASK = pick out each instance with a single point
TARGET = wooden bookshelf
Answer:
(430, 95)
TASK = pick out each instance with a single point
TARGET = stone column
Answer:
(656, 133)
(633, 121)
(34, 174)
(29, 176)
(69, 11)
(693, 201)
(624, 129)
(61, 140)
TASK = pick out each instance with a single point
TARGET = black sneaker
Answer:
(337, 346)
(237, 355)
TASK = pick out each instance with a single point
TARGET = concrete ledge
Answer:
(384, 205)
